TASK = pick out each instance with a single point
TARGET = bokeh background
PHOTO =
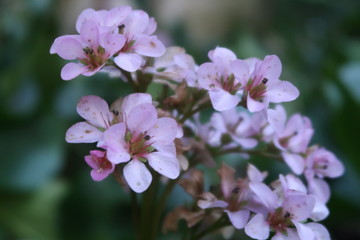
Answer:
(45, 188)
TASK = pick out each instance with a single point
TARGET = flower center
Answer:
(94, 58)
(139, 145)
(279, 220)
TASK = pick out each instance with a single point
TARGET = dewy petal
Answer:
(137, 176)
(149, 46)
(319, 230)
(67, 47)
(141, 118)
(114, 139)
(128, 61)
(223, 100)
(89, 32)
(295, 162)
(253, 105)
(305, 233)
(164, 131)
(133, 100)
(257, 227)
(72, 70)
(239, 218)
(165, 164)
(82, 132)
(281, 91)
(95, 110)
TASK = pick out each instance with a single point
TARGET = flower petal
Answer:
(281, 91)
(164, 131)
(238, 218)
(295, 162)
(305, 233)
(95, 110)
(319, 230)
(134, 100)
(137, 176)
(141, 118)
(265, 195)
(149, 46)
(89, 32)
(67, 47)
(257, 227)
(82, 132)
(114, 140)
(253, 105)
(164, 163)
(223, 100)
(72, 70)
(128, 61)
(300, 206)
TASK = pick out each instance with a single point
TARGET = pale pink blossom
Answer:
(101, 166)
(142, 138)
(223, 78)
(98, 118)
(263, 86)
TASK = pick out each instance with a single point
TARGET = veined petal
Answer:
(165, 164)
(238, 218)
(137, 176)
(257, 227)
(128, 61)
(72, 70)
(223, 100)
(141, 118)
(95, 110)
(149, 46)
(67, 47)
(281, 91)
(82, 132)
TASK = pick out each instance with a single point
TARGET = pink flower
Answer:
(92, 48)
(237, 197)
(264, 85)
(223, 78)
(291, 137)
(98, 118)
(142, 138)
(101, 166)
(234, 125)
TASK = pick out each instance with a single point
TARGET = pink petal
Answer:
(238, 218)
(84, 15)
(164, 131)
(305, 233)
(300, 206)
(320, 189)
(269, 68)
(254, 174)
(137, 176)
(265, 195)
(223, 100)
(295, 162)
(165, 164)
(112, 43)
(290, 234)
(136, 22)
(320, 211)
(133, 100)
(149, 46)
(277, 118)
(128, 61)
(254, 106)
(89, 32)
(67, 47)
(319, 230)
(222, 56)
(114, 139)
(141, 118)
(89, 159)
(208, 76)
(72, 70)
(208, 200)
(82, 132)
(117, 15)
(281, 91)
(151, 27)
(257, 227)
(247, 143)
(95, 110)
(240, 69)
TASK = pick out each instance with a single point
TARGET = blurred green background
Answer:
(45, 188)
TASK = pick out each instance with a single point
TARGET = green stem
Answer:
(222, 222)
(135, 213)
(251, 152)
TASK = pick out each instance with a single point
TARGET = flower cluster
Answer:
(138, 137)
